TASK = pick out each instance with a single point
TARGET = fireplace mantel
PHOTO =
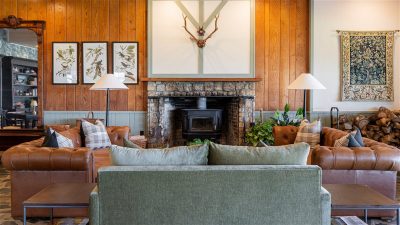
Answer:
(150, 79)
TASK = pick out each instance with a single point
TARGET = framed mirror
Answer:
(21, 72)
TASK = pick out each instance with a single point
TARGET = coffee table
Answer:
(356, 196)
(60, 195)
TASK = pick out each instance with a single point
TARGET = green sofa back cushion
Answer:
(295, 154)
(182, 155)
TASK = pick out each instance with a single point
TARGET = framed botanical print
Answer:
(125, 61)
(94, 56)
(65, 62)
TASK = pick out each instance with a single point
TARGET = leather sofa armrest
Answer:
(94, 207)
(30, 156)
(117, 134)
(284, 135)
(326, 206)
(377, 157)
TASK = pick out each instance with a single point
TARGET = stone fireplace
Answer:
(167, 99)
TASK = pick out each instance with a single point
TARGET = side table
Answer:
(60, 195)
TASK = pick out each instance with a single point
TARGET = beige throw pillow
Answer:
(309, 133)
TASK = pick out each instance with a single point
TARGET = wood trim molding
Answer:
(146, 79)
(37, 26)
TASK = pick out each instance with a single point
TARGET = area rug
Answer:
(5, 207)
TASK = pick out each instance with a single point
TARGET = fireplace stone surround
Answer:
(236, 97)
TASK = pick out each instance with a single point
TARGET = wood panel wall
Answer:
(282, 48)
(282, 51)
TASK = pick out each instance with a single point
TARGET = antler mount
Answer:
(201, 43)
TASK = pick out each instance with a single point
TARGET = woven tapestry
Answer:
(367, 66)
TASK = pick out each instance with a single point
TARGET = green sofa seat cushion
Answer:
(295, 154)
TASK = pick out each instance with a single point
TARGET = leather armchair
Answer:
(375, 165)
(34, 167)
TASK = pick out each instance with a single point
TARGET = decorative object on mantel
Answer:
(106, 83)
(201, 39)
(305, 82)
(65, 62)
(201, 42)
(125, 61)
(367, 65)
(94, 61)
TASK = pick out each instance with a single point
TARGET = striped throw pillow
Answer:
(309, 133)
(95, 135)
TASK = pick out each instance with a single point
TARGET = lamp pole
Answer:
(305, 104)
(107, 106)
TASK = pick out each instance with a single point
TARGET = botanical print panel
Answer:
(65, 63)
(125, 61)
(94, 61)
(367, 60)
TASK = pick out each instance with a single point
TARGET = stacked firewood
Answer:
(383, 126)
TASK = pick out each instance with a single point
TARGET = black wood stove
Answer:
(202, 123)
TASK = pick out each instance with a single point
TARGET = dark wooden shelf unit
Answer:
(19, 77)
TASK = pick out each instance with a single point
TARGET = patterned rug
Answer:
(6, 219)
(5, 209)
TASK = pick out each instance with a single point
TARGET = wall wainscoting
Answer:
(136, 120)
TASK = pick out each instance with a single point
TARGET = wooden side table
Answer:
(60, 195)
(356, 196)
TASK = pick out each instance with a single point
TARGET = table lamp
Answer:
(305, 82)
(106, 83)
(34, 104)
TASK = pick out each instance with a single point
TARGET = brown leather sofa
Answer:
(34, 167)
(375, 165)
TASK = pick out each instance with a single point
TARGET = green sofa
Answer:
(210, 195)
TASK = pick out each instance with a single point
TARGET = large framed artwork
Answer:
(125, 61)
(201, 38)
(94, 61)
(367, 65)
(65, 63)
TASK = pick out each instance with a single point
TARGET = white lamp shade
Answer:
(306, 81)
(34, 103)
(110, 82)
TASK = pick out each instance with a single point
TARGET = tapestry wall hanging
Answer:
(367, 65)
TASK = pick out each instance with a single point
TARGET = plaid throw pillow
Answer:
(309, 133)
(95, 135)
(342, 142)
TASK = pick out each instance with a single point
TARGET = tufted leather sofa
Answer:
(34, 167)
(375, 165)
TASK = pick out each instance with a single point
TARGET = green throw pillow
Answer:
(295, 154)
(130, 144)
(182, 155)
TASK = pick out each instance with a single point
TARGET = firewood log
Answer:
(361, 121)
(383, 122)
(386, 130)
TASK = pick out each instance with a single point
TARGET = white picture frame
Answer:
(65, 63)
(125, 60)
(95, 61)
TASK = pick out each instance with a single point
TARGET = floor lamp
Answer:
(106, 83)
(305, 82)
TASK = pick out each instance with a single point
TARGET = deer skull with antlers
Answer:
(200, 31)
